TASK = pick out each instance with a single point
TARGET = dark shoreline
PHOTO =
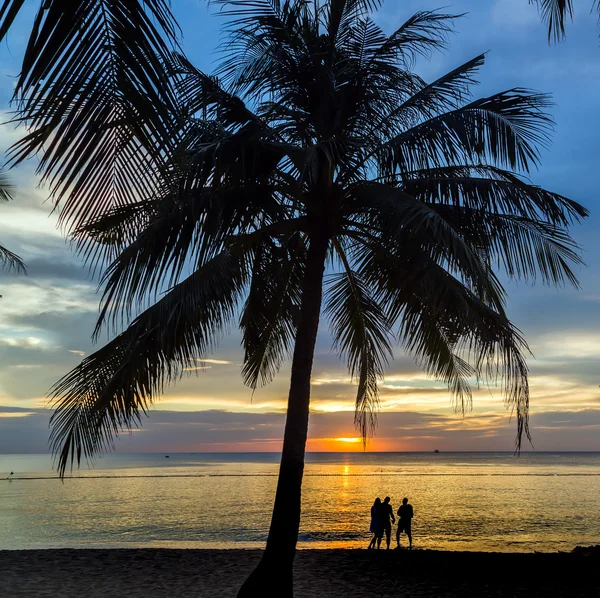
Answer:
(324, 573)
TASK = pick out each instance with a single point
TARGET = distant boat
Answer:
(436, 451)
(166, 456)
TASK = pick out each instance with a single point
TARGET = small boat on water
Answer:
(436, 452)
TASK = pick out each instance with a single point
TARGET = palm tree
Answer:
(316, 173)
(8, 260)
(555, 13)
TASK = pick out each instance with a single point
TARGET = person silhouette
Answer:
(386, 526)
(405, 515)
(375, 523)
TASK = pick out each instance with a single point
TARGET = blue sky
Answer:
(47, 317)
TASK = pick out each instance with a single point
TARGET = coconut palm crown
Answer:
(314, 175)
(317, 132)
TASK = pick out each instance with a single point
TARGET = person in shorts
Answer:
(405, 515)
(384, 519)
(375, 527)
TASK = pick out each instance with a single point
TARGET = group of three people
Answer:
(381, 513)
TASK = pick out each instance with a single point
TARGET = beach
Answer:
(322, 573)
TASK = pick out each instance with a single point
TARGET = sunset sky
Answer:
(46, 317)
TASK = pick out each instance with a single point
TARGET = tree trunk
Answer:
(273, 575)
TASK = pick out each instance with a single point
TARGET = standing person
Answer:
(405, 515)
(375, 523)
(386, 513)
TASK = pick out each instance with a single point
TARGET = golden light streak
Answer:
(215, 361)
(5, 414)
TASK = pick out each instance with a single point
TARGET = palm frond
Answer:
(6, 188)
(264, 39)
(104, 238)
(423, 33)
(270, 316)
(112, 388)
(9, 11)
(505, 129)
(97, 101)
(483, 187)
(341, 16)
(10, 261)
(445, 93)
(524, 247)
(201, 93)
(454, 335)
(361, 332)
(397, 217)
(555, 14)
(188, 229)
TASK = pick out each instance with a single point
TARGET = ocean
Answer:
(462, 501)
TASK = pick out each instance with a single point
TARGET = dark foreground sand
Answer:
(319, 573)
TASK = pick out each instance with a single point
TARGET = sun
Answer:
(348, 440)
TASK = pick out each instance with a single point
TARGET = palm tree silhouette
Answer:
(316, 173)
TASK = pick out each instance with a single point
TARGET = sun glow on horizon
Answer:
(335, 444)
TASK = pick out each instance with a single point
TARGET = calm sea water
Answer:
(462, 501)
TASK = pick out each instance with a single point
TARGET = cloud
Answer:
(218, 430)
(577, 344)
(515, 13)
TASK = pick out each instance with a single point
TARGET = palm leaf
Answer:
(555, 13)
(96, 99)
(445, 93)
(454, 335)
(102, 239)
(258, 28)
(423, 33)
(8, 260)
(112, 388)
(201, 93)
(504, 129)
(6, 188)
(341, 16)
(483, 187)
(188, 228)
(525, 248)
(399, 218)
(270, 316)
(361, 331)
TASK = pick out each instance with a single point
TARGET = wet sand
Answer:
(318, 573)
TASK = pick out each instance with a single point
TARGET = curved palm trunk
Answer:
(273, 575)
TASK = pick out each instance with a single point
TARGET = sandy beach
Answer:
(323, 573)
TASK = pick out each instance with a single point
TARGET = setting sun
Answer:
(352, 440)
